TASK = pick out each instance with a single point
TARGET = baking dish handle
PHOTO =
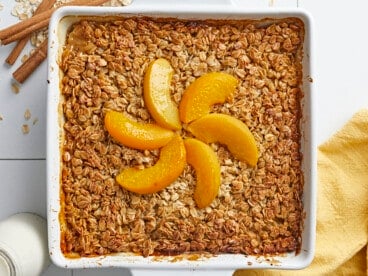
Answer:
(187, 2)
(171, 272)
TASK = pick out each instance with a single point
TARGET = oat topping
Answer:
(258, 210)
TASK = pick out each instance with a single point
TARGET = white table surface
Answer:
(340, 79)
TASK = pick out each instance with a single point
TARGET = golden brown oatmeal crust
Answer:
(258, 210)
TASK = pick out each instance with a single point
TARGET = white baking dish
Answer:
(229, 262)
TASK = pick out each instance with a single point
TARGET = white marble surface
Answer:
(340, 57)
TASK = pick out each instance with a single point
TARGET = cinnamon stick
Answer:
(27, 24)
(22, 33)
(28, 67)
(14, 54)
(25, 27)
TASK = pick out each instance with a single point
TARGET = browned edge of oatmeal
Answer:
(258, 211)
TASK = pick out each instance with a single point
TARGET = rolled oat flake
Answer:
(23, 245)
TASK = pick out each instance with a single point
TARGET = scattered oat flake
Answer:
(24, 8)
(27, 114)
(33, 50)
(1, 118)
(35, 120)
(15, 88)
(117, 3)
(24, 58)
(38, 37)
(25, 129)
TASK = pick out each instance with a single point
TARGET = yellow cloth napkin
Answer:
(342, 210)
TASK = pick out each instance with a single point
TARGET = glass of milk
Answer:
(23, 245)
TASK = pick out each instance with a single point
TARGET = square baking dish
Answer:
(60, 23)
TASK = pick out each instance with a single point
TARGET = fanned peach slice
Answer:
(167, 169)
(204, 160)
(157, 97)
(229, 131)
(136, 134)
(207, 90)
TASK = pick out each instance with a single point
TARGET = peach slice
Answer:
(207, 90)
(229, 131)
(167, 169)
(136, 134)
(156, 94)
(204, 160)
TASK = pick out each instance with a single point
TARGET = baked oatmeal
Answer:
(258, 209)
